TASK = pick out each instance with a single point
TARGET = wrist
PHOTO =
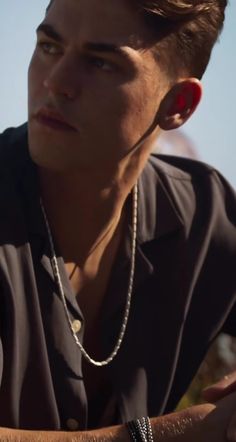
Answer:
(140, 430)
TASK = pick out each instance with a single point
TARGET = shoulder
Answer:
(201, 196)
(13, 134)
(181, 168)
(17, 184)
(190, 174)
(13, 141)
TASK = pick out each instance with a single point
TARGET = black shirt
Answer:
(184, 295)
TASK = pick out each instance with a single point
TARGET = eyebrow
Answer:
(50, 31)
(100, 47)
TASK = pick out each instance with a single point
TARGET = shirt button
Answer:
(76, 326)
(72, 424)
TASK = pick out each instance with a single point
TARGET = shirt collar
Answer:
(158, 212)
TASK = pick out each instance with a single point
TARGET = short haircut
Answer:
(185, 32)
(187, 29)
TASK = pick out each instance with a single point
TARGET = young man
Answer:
(117, 266)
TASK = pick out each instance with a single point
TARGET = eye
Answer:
(49, 48)
(100, 63)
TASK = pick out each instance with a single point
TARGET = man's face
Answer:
(94, 69)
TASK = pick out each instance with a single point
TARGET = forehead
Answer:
(113, 21)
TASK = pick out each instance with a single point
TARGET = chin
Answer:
(47, 151)
(56, 158)
(60, 154)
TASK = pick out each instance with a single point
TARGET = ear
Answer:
(179, 103)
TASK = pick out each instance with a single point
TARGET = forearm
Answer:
(176, 427)
(116, 434)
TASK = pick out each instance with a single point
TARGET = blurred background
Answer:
(209, 135)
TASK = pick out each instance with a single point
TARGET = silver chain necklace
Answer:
(130, 285)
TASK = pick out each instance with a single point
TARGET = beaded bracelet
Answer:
(140, 430)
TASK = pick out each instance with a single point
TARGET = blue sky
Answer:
(213, 126)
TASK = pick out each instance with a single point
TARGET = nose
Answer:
(63, 78)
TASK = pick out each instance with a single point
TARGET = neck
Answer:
(84, 210)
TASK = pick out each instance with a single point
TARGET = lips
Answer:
(54, 120)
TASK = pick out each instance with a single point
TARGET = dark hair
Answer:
(185, 32)
(188, 30)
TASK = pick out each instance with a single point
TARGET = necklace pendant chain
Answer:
(57, 277)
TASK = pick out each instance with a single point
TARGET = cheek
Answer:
(125, 102)
(139, 110)
(119, 115)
